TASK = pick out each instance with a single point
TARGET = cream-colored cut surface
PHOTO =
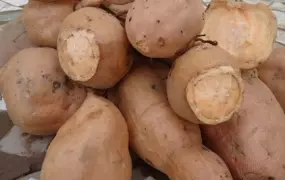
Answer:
(246, 31)
(84, 56)
(214, 95)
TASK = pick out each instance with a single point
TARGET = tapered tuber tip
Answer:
(215, 95)
(79, 55)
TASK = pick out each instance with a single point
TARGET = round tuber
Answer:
(162, 28)
(246, 31)
(43, 20)
(92, 145)
(252, 142)
(165, 141)
(205, 82)
(38, 95)
(93, 48)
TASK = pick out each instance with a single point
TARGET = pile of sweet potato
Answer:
(193, 100)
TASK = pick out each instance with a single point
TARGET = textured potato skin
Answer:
(114, 60)
(189, 65)
(162, 28)
(166, 142)
(14, 38)
(92, 145)
(43, 20)
(272, 73)
(252, 142)
(38, 95)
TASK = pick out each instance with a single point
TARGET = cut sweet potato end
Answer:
(80, 55)
(215, 95)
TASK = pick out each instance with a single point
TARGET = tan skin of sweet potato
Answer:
(14, 38)
(162, 28)
(252, 142)
(43, 20)
(38, 95)
(272, 73)
(93, 48)
(160, 137)
(92, 145)
(205, 82)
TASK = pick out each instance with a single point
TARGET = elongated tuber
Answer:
(93, 144)
(165, 141)
(272, 73)
(252, 142)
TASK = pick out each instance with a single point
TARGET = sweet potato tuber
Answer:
(272, 73)
(38, 95)
(93, 145)
(205, 82)
(252, 142)
(93, 48)
(160, 137)
(14, 38)
(43, 20)
(162, 28)
(246, 31)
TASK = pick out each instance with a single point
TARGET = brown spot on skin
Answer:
(165, 136)
(130, 19)
(219, 161)
(88, 19)
(19, 81)
(94, 114)
(271, 178)
(278, 74)
(181, 32)
(153, 86)
(86, 154)
(45, 76)
(55, 85)
(161, 42)
(158, 21)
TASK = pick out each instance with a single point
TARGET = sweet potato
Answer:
(205, 82)
(93, 48)
(246, 31)
(162, 28)
(38, 95)
(43, 20)
(14, 38)
(252, 142)
(165, 141)
(93, 145)
(272, 73)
